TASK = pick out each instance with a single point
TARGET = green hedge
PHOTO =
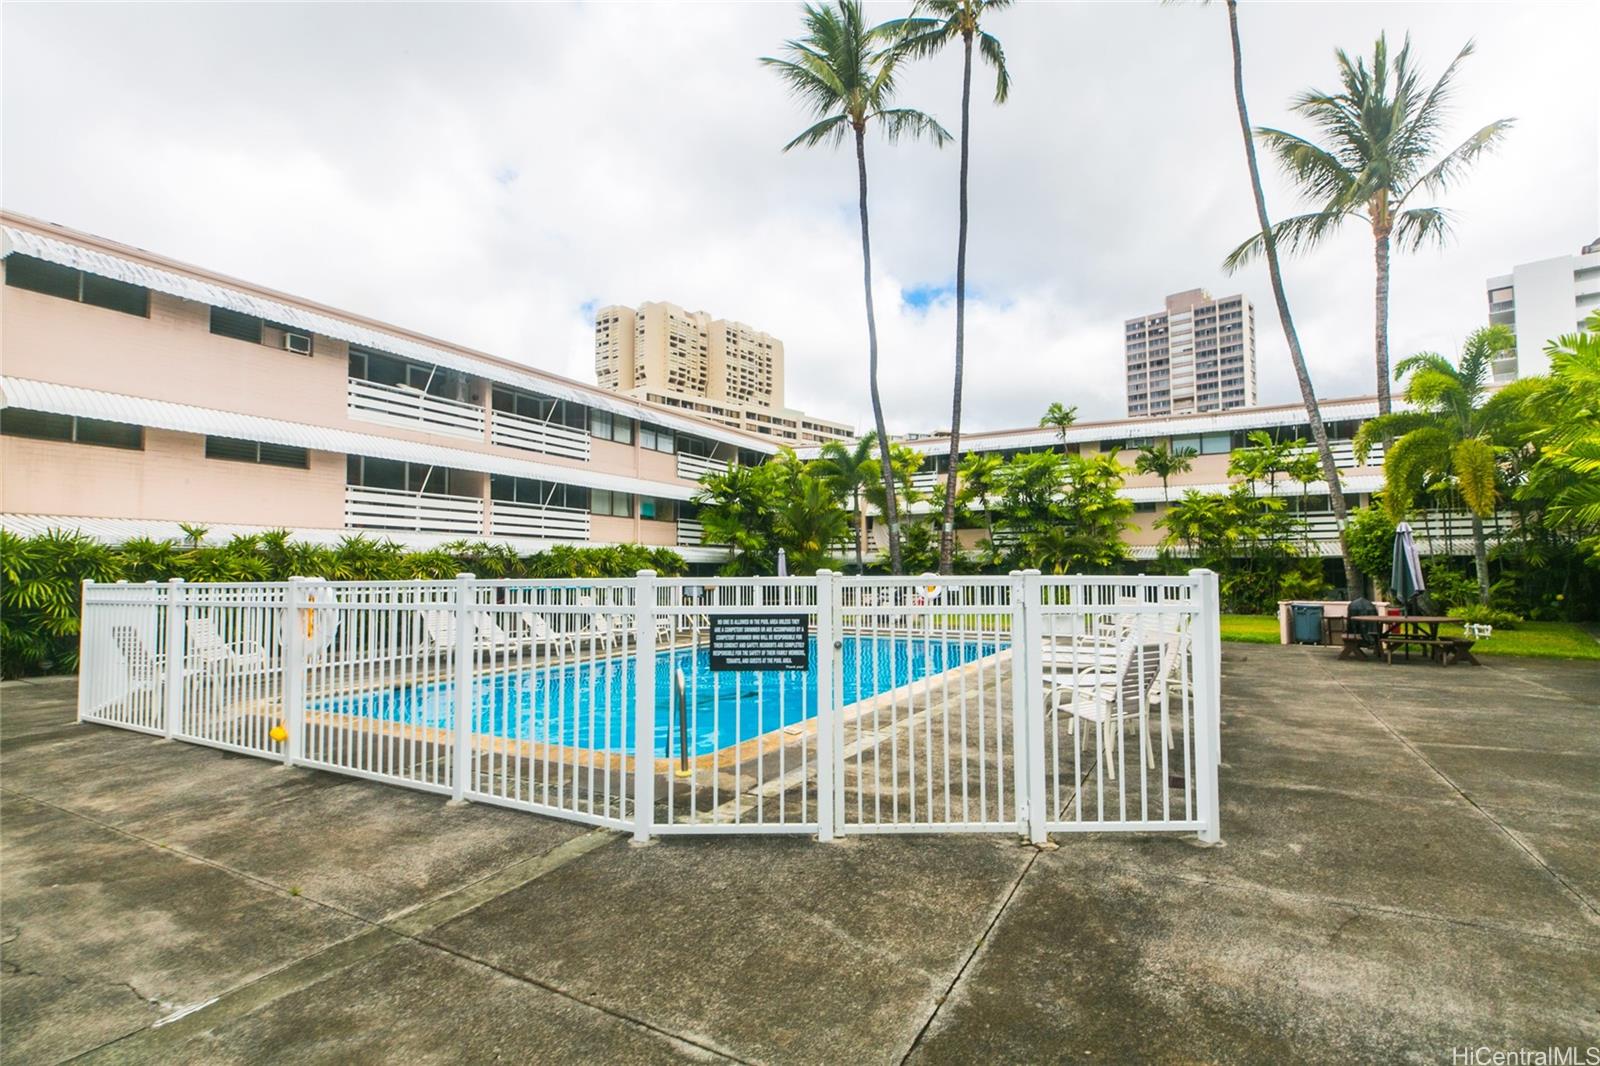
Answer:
(40, 576)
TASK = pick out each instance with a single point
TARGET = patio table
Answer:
(1416, 630)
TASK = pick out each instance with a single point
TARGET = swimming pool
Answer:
(581, 705)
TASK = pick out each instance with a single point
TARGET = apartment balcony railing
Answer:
(925, 481)
(531, 520)
(529, 434)
(1437, 526)
(694, 467)
(691, 533)
(1344, 454)
(416, 512)
(392, 405)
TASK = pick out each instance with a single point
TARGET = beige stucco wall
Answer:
(170, 479)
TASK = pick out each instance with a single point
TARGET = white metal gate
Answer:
(1019, 704)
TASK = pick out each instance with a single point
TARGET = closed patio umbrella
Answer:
(783, 563)
(1405, 569)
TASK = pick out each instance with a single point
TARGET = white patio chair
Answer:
(536, 629)
(144, 667)
(1109, 694)
(210, 650)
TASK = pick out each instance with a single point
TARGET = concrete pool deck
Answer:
(1411, 865)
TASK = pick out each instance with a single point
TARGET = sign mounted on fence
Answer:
(759, 642)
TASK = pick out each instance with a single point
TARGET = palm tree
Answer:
(1449, 435)
(1269, 249)
(932, 25)
(843, 468)
(1060, 417)
(841, 70)
(1379, 135)
(1164, 461)
(979, 471)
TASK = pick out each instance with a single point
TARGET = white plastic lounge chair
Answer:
(536, 630)
(209, 650)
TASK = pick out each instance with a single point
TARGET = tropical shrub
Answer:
(1479, 614)
(41, 577)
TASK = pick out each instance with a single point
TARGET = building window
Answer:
(373, 473)
(41, 425)
(616, 504)
(250, 451)
(538, 408)
(657, 509)
(536, 493)
(607, 426)
(656, 438)
(241, 327)
(53, 279)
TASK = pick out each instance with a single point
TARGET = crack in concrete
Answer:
(966, 964)
(1589, 906)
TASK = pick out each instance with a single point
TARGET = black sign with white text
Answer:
(759, 642)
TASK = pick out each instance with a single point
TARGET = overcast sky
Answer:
(490, 174)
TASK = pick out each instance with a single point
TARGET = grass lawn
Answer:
(1539, 640)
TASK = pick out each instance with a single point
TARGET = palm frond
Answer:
(1439, 176)
(990, 49)
(911, 124)
(831, 130)
(1421, 225)
(1299, 232)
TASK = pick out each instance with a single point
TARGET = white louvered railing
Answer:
(531, 435)
(391, 405)
(544, 523)
(417, 512)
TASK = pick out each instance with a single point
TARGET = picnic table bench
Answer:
(1404, 632)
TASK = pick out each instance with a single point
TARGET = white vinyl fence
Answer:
(1019, 704)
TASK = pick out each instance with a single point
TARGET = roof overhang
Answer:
(200, 290)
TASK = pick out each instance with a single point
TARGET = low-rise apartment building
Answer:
(1213, 437)
(141, 393)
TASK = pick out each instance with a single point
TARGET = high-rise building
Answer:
(1540, 302)
(1198, 354)
(722, 370)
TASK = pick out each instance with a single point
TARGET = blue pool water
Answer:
(582, 704)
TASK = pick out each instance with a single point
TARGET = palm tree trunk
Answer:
(947, 531)
(861, 533)
(1480, 552)
(891, 510)
(1380, 324)
(1319, 432)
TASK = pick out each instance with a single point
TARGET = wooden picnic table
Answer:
(1406, 631)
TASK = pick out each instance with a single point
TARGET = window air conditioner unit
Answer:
(299, 343)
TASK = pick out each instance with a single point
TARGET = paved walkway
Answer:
(1412, 864)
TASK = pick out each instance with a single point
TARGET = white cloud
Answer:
(362, 156)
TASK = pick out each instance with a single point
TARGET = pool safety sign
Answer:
(759, 642)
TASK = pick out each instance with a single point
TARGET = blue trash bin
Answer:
(1305, 623)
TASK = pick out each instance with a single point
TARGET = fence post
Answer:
(644, 705)
(173, 711)
(462, 662)
(1208, 706)
(1019, 705)
(294, 670)
(827, 702)
(1033, 682)
(83, 646)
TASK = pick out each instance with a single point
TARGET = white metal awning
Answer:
(182, 418)
(199, 290)
(1241, 418)
(121, 530)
